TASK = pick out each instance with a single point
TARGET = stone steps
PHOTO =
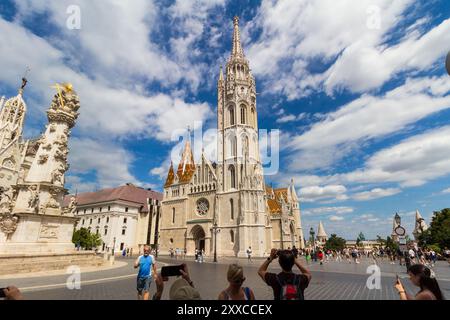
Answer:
(15, 265)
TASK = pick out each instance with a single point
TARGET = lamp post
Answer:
(312, 233)
(216, 230)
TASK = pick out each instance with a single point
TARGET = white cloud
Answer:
(412, 162)
(446, 191)
(327, 210)
(367, 118)
(375, 194)
(360, 55)
(314, 193)
(336, 218)
(109, 162)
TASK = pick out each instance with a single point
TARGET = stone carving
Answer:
(43, 158)
(72, 208)
(21, 176)
(61, 154)
(52, 203)
(47, 147)
(6, 201)
(33, 200)
(52, 128)
(49, 231)
(57, 177)
(8, 223)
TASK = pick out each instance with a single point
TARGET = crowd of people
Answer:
(285, 285)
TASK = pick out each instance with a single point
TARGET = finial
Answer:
(236, 20)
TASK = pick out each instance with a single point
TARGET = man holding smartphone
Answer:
(147, 268)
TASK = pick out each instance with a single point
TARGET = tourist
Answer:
(185, 253)
(147, 268)
(320, 256)
(308, 256)
(422, 277)
(295, 252)
(355, 255)
(235, 291)
(286, 285)
(433, 257)
(249, 254)
(124, 253)
(182, 288)
(12, 293)
(196, 255)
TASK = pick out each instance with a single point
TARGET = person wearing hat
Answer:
(182, 289)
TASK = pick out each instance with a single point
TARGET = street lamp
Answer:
(216, 230)
(312, 233)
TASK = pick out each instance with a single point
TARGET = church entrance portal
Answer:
(198, 235)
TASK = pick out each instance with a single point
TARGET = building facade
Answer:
(124, 217)
(229, 198)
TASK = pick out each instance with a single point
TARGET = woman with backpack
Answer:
(235, 291)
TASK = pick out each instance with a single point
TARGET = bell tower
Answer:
(240, 173)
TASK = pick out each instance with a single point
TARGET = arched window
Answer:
(232, 236)
(232, 174)
(231, 115)
(173, 215)
(243, 114)
(233, 146)
(231, 209)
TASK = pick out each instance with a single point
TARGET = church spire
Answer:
(237, 48)
(221, 74)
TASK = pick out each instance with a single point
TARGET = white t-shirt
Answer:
(412, 254)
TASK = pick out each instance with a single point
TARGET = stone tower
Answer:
(420, 225)
(321, 234)
(240, 174)
(42, 225)
(12, 148)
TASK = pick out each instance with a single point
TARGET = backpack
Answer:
(290, 290)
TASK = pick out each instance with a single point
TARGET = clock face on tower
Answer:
(202, 207)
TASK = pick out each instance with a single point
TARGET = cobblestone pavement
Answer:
(335, 281)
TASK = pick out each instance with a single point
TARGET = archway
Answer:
(198, 234)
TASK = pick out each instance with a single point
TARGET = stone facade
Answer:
(229, 196)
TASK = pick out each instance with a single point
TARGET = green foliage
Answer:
(86, 239)
(438, 234)
(335, 243)
(391, 244)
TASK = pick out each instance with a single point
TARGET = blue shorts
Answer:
(143, 284)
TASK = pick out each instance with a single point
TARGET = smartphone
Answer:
(2, 294)
(171, 271)
(398, 278)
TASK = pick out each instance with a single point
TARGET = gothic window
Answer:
(232, 175)
(231, 115)
(231, 209)
(232, 236)
(173, 215)
(243, 114)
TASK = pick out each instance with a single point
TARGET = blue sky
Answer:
(358, 91)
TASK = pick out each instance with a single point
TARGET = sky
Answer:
(357, 89)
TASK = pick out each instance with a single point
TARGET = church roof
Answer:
(128, 192)
(186, 168)
(274, 206)
(170, 176)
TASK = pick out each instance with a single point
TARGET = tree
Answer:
(381, 241)
(438, 234)
(335, 243)
(391, 244)
(85, 239)
(360, 239)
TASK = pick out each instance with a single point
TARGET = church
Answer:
(226, 206)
